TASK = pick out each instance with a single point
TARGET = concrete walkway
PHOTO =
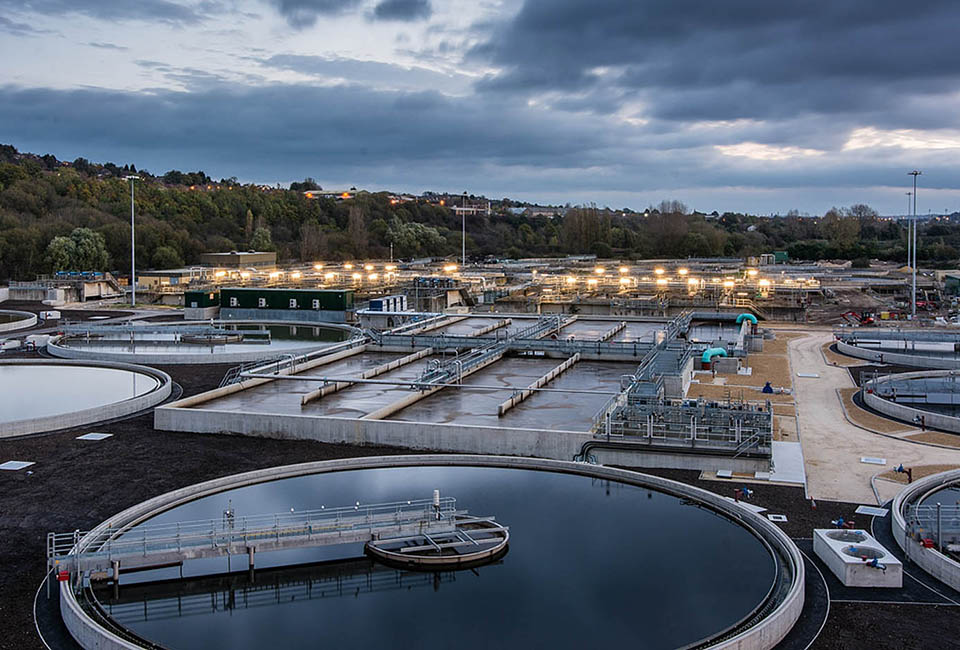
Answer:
(832, 447)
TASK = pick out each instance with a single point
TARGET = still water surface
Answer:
(591, 564)
(28, 392)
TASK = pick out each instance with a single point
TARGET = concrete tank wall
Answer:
(908, 413)
(88, 416)
(761, 636)
(898, 358)
(941, 567)
(26, 319)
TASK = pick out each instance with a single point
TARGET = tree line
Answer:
(56, 216)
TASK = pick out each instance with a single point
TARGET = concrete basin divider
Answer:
(83, 417)
(779, 617)
(329, 389)
(938, 565)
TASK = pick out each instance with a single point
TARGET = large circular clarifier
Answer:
(15, 320)
(186, 343)
(37, 395)
(591, 562)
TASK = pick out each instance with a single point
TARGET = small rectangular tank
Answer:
(857, 559)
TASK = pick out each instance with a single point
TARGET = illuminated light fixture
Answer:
(357, 276)
(318, 266)
(764, 282)
(599, 270)
(752, 273)
(662, 282)
(219, 274)
(682, 271)
(390, 267)
(659, 271)
(368, 267)
(372, 276)
(693, 282)
(715, 280)
(624, 269)
(296, 275)
(244, 275)
(329, 276)
(592, 282)
(309, 195)
(275, 275)
(345, 195)
(728, 284)
(571, 279)
(348, 266)
(450, 268)
(624, 280)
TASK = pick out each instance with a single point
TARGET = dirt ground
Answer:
(936, 438)
(837, 359)
(750, 393)
(77, 484)
(867, 419)
(919, 471)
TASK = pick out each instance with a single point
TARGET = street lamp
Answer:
(909, 229)
(463, 234)
(133, 243)
(913, 291)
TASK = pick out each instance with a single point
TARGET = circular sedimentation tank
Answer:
(188, 343)
(37, 396)
(930, 399)
(904, 351)
(11, 320)
(596, 556)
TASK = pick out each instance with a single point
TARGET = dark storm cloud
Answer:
(108, 46)
(403, 10)
(304, 13)
(19, 29)
(731, 59)
(236, 129)
(112, 10)
(402, 139)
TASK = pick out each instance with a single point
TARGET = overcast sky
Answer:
(735, 105)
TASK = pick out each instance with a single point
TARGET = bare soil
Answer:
(867, 419)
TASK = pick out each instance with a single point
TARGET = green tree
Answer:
(166, 257)
(262, 240)
(61, 252)
(90, 250)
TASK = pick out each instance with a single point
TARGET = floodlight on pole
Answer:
(913, 290)
(909, 230)
(133, 245)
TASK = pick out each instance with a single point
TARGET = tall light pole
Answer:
(909, 230)
(463, 234)
(913, 290)
(133, 245)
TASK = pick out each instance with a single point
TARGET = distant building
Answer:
(240, 260)
(309, 305)
(174, 277)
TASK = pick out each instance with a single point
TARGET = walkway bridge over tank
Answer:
(412, 527)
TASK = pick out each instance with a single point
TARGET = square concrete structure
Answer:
(844, 552)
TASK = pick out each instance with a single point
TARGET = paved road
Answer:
(832, 447)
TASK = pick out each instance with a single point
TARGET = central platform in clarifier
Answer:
(857, 559)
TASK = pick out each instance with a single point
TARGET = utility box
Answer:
(857, 559)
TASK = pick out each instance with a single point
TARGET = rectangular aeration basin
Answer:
(844, 551)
